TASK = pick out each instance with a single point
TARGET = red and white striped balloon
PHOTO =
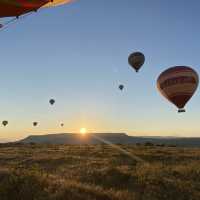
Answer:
(178, 84)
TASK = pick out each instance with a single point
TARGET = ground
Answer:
(99, 172)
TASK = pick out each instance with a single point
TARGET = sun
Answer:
(83, 131)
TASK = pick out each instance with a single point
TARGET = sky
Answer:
(77, 54)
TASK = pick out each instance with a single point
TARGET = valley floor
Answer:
(64, 172)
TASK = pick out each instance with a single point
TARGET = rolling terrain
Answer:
(98, 172)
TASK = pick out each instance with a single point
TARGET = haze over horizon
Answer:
(77, 54)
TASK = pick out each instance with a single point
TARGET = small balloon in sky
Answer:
(35, 123)
(51, 101)
(4, 123)
(121, 87)
(178, 84)
(136, 60)
(62, 124)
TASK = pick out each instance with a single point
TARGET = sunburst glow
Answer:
(83, 131)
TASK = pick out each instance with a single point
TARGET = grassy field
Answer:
(63, 172)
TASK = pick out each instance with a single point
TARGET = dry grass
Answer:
(63, 172)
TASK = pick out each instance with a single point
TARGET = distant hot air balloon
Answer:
(51, 101)
(178, 84)
(121, 87)
(5, 123)
(61, 124)
(35, 123)
(15, 8)
(136, 60)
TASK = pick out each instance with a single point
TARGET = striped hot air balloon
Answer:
(15, 8)
(178, 84)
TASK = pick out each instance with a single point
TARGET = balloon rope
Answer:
(7, 23)
(14, 20)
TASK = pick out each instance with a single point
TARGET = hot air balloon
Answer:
(121, 87)
(61, 124)
(178, 84)
(51, 101)
(16, 8)
(5, 123)
(35, 123)
(136, 60)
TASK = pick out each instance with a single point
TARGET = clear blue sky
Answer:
(78, 53)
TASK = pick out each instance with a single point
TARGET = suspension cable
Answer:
(13, 21)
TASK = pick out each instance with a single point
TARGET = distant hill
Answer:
(73, 138)
(115, 138)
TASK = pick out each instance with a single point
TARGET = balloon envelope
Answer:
(136, 60)
(35, 123)
(51, 101)
(57, 3)
(178, 84)
(5, 123)
(121, 87)
(13, 8)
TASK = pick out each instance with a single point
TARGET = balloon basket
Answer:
(181, 110)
